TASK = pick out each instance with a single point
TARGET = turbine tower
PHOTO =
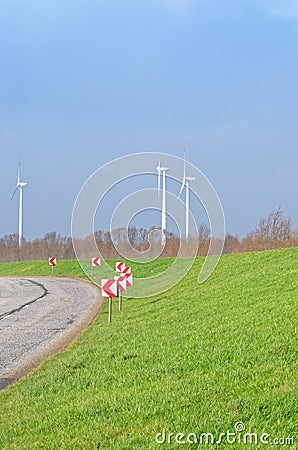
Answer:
(20, 185)
(185, 183)
(163, 171)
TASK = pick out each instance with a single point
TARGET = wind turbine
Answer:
(20, 185)
(163, 171)
(185, 183)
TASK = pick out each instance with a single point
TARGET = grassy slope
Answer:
(73, 269)
(198, 358)
(41, 268)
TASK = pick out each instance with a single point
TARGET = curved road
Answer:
(38, 317)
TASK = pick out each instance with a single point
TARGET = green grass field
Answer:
(198, 359)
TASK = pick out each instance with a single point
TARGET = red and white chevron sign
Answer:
(121, 282)
(52, 261)
(109, 288)
(120, 266)
(128, 277)
(126, 270)
(95, 262)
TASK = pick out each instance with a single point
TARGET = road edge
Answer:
(63, 341)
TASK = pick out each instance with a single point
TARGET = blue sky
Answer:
(82, 83)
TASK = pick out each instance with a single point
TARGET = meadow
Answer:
(197, 359)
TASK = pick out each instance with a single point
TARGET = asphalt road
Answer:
(38, 317)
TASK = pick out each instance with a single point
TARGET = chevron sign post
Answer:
(126, 270)
(52, 262)
(122, 287)
(120, 266)
(109, 288)
(128, 279)
(95, 262)
(121, 283)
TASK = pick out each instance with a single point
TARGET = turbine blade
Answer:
(14, 193)
(182, 187)
(184, 175)
(19, 172)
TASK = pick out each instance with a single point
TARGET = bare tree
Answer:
(232, 244)
(273, 231)
(203, 239)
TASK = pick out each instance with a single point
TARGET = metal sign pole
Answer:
(110, 309)
(52, 270)
(120, 300)
(91, 269)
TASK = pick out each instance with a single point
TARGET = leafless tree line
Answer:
(272, 232)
